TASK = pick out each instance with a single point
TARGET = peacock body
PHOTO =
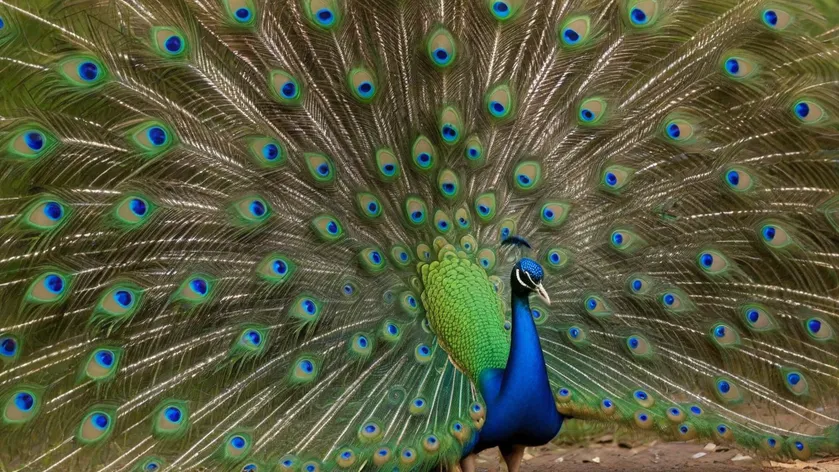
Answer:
(267, 235)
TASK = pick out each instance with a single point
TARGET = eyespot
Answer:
(284, 87)
(638, 284)
(507, 228)
(46, 214)
(527, 176)
(643, 398)
(775, 19)
(236, 445)
(460, 431)
(390, 331)
(504, 10)
(442, 222)
(596, 306)
(557, 258)
(643, 419)
(771, 444)
(614, 178)
(795, 381)
(818, 329)
(423, 154)
(345, 457)
(362, 84)
(328, 228)
(678, 130)
(321, 168)
(49, 287)
(727, 391)
(499, 102)
(642, 13)
(738, 179)
(591, 111)
(799, 448)
(424, 252)
(712, 262)
(441, 48)
(723, 432)
(738, 67)
(400, 256)
(625, 240)
(675, 301)
(639, 346)
(151, 464)
(574, 31)
(323, 13)
(724, 336)
(152, 138)
(486, 258)
(369, 432)
(686, 432)
(485, 206)
(675, 414)
(415, 211)
(474, 151)
(774, 235)
(577, 335)
(171, 419)
(266, 151)
(23, 404)
(361, 345)
(387, 164)
(431, 443)
(31, 142)
(418, 406)
(539, 314)
(195, 289)
(368, 205)
(133, 211)
(102, 364)
(96, 426)
(304, 370)
(83, 71)
(288, 463)
(9, 348)
(461, 216)
(448, 183)
(306, 308)
(275, 268)
(607, 406)
(240, 12)
(451, 125)
(372, 260)
(553, 214)
(423, 354)
(757, 318)
(120, 301)
(808, 112)
(253, 338)
(168, 41)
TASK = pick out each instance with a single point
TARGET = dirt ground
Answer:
(608, 456)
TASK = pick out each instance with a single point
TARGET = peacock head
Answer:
(527, 278)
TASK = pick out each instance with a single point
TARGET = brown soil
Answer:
(608, 456)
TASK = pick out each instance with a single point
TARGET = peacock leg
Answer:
(467, 464)
(512, 457)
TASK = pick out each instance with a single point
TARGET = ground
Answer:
(607, 455)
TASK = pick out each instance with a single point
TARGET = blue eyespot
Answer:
(722, 429)
(799, 445)
(617, 238)
(105, 358)
(54, 283)
(346, 455)
(793, 378)
(669, 299)
(88, 71)
(496, 108)
(257, 208)
(307, 366)
(673, 131)
(443, 225)
(458, 427)
(586, 115)
(536, 314)
(238, 442)
(254, 337)
(100, 421)
(138, 207)
(554, 257)
(8, 347)
(419, 402)
(332, 227)
(310, 468)
(753, 316)
(416, 216)
(643, 417)
(638, 17)
(308, 306)
(802, 109)
(571, 36)
(270, 151)
(637, 284)
(287, 463)
(441, 56)
(392, 329)
(325, 17)
(564, 392)
(370, 428)
(696, 410)
(684, 429)
(173, 414)
(772, 442)
(34, 140)
(375, 257)
(814, 325)
(24, 401)
(607, 403)
(173, 44)
(243, 15)
(323, 169)
(501, 9)
(365, 89)
(280, 267)
(634, 343)
(288, 90)
(123, 298)
(198, 286)
(157, 135)
(473, 153)
(348, 289)
(449, 133)
(723, 386)
(483, 209)
(389, 169)
(362, 342)
(53, 211)
(641, 395)
(707, 260)
(611, 179)
(719, 331)
(424, 158)
(424, 350)
(574, 332)
(412, 301)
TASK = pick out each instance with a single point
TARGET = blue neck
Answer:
(526, 365)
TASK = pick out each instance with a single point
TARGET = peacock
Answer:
(322, 235)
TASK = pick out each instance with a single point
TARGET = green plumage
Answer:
(241, 233)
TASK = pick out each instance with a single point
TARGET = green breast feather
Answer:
(465, 312)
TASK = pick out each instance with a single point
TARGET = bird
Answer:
(320, 235)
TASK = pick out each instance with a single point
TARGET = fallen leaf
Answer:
(741, 457)
(710, 447)
(699, 454)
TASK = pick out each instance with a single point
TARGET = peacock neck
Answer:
(526, 364)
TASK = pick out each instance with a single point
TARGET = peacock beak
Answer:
(543, 294)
